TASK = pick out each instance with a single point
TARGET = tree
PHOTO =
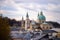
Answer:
(4, 29)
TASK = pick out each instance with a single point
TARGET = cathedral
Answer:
(33, 25)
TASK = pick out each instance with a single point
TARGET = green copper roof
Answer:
(41, 16)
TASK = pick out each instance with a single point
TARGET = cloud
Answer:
(38, 1)
(18, 8)
(7, 5)
(7, 8)
(53, 7)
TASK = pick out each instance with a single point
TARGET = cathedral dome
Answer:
(41, 17)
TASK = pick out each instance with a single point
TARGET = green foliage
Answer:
(4, 29)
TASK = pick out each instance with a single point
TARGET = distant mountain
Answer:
(55, 24)
(13, 21)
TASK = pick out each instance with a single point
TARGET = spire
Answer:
(27, 15)
(38, 14)
(22, 17)
(41, 13)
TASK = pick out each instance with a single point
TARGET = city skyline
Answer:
(18, 8)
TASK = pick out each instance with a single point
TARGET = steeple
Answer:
(38, 14)
(41, 13)
(27, 22)
(27, 15)
(22, 22)
(22, 18)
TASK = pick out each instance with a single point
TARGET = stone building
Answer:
(41, 23)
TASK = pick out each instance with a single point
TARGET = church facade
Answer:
(33, 25)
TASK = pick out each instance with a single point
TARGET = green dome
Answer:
(41, 16)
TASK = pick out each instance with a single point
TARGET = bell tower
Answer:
(41, 18)
(22, 23)
(27, 22)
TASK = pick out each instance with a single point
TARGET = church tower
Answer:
(27, 22)
(38, 18)
(22, 23)
(41, 17)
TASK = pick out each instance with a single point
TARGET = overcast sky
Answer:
(18, 8)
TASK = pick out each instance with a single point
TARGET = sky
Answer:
(15, 9)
